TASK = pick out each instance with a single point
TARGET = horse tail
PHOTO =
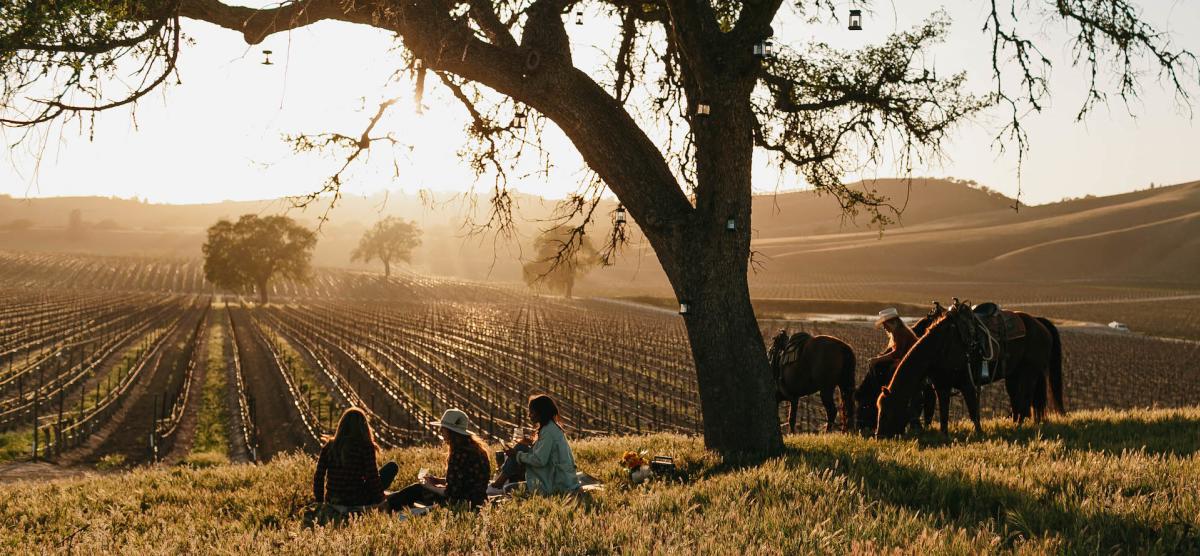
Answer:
(846, 387)
(1054, 378)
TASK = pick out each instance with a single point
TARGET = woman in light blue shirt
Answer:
(549, 463)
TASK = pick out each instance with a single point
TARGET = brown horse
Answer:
(946, 354)
(818, 364)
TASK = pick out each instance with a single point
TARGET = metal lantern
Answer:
(685, 307)
(267, 60)
(765, 49)
(703, 109)
(620, 214)
(731, 224)
(579, 16)
(856, 20)
(519, 119)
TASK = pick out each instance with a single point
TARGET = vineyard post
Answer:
(35, 423)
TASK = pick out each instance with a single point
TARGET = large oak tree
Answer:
(247, 254)
(670, 129)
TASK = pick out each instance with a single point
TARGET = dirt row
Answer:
(280, 427)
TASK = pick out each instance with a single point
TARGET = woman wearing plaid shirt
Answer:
(346, 475)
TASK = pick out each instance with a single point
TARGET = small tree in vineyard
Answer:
(75, 226)
(561, 258)
(391, 239)
(247, 254)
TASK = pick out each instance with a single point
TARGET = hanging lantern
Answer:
(579, 16)
(856, 20)
(267, 58)
(519, 119)
(620, 215)
(731, 224)
(685, 307)
(765, 50)
(703, 109)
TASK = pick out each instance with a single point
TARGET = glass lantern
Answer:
(856, 20)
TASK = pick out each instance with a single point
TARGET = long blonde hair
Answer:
(353, 431)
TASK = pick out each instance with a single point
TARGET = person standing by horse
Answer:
(900, 339)
(880, 368)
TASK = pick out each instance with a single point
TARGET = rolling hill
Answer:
(948, 230)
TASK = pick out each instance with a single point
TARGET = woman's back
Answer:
(347, 476)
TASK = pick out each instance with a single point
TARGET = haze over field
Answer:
(947, 230)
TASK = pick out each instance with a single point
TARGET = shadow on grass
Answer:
(961, 500)
(1171, 436)
(1175, 435)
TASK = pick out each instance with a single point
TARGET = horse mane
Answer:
(937, 323)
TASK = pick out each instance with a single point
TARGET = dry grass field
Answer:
(1095, 483)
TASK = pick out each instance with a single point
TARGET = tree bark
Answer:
(737, 392)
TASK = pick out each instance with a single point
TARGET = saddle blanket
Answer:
(1004, 325)
(795, 345)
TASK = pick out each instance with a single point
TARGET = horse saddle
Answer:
(795, 346)
(1002, 325)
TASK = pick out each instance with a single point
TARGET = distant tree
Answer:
(108, 224)
(561, 258)
(75, 226)
(391, 239)
(250, 252)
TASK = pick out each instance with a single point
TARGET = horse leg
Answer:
(971, 398)
(830, 408)
(943, 396)
(930, 397)
(792, 416)
(1013, 385)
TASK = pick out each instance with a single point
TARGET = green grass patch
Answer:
(1096, 482)
(15, 445)
(213, 419)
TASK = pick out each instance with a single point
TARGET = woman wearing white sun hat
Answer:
(467, 469)
(900, 339)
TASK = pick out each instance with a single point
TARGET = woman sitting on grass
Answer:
(346, 475)
(467, 470)
(549, 463)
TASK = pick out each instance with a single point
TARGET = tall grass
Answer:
(1097, 482)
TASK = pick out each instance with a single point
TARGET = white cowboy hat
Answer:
(886, 315)
(454, 420)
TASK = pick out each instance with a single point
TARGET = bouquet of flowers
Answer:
(637, 466)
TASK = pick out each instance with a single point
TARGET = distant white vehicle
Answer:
(1120, 326)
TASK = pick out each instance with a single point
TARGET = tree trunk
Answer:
(737, 391)
(387, 269)
(737, 396)
(570, 287)
(262, 292)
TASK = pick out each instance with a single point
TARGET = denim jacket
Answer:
(549, 465)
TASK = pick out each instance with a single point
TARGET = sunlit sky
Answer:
(218, 135)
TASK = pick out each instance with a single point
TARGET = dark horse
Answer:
(821, 364)
(1033, 367)
(867, 394)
